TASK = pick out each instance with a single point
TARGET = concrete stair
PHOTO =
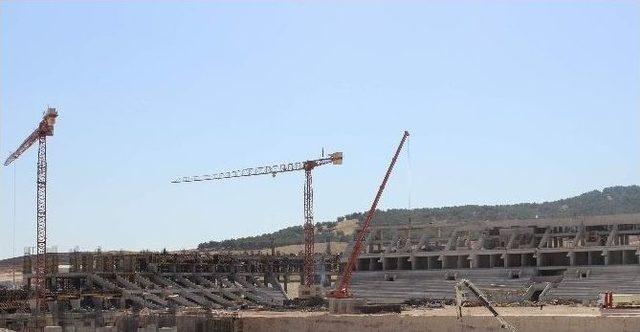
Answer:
(228, 293)
(140, 301)
(187, 282)
(196, 298)
(204, 282)
(146, 283)
(217, 298)
(181, 301)
(155, 298)
(622, 280)
(104, 283)
(126, 283)
(166, 282)
(373, 286)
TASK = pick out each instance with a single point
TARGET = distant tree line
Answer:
(612, 200)
(286, 236)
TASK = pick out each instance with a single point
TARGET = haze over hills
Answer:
(611, 200)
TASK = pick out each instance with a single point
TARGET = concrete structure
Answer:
(155, 280)
(423, 260)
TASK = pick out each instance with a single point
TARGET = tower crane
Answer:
(342, 289)
(45, 128)
(306, 166)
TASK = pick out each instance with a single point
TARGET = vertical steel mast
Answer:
(41, 217)
(309, 228)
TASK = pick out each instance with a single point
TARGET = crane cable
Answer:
(13, 242)
(409, 180)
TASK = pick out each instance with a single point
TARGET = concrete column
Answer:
(611, 239)
(538, 259)
(523, 259)
(372, 264)
(572, 258)
(512, 239)
(579, 238)
(589, 258)
(286, 281)
(384, 263)
(492, 261)
(453, 239)
(368, 243)
(605, 253)
(423, 241)
(624, 256)
(414, 262)
(505, 259)
(428, 263)
(545, 238)
(474, 261)
(480, 244)
(393, 242)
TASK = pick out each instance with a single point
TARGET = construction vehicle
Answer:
(460, 299)
(45, 128)
(309, 228)
(342, 289)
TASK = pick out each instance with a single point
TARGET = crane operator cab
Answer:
(48, 120)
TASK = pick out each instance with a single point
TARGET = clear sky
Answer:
(506, 102)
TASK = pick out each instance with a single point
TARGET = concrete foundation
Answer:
(343, 306)
(305, 292)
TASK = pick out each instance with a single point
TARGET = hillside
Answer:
(612, 200)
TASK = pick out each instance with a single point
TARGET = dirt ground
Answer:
(523, 319)
(550, 310)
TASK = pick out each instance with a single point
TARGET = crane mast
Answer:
(307, 167)
(45, 128)
(342, 290)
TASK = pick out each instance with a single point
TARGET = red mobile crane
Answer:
(307, 166)
(342, 290)
(45, 128)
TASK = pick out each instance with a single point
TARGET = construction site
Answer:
(504, 111)
(579, 272)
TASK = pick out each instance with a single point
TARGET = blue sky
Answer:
(506, 102)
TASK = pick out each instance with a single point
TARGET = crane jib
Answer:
(261, 170)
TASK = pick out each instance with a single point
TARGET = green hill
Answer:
(612, 200)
